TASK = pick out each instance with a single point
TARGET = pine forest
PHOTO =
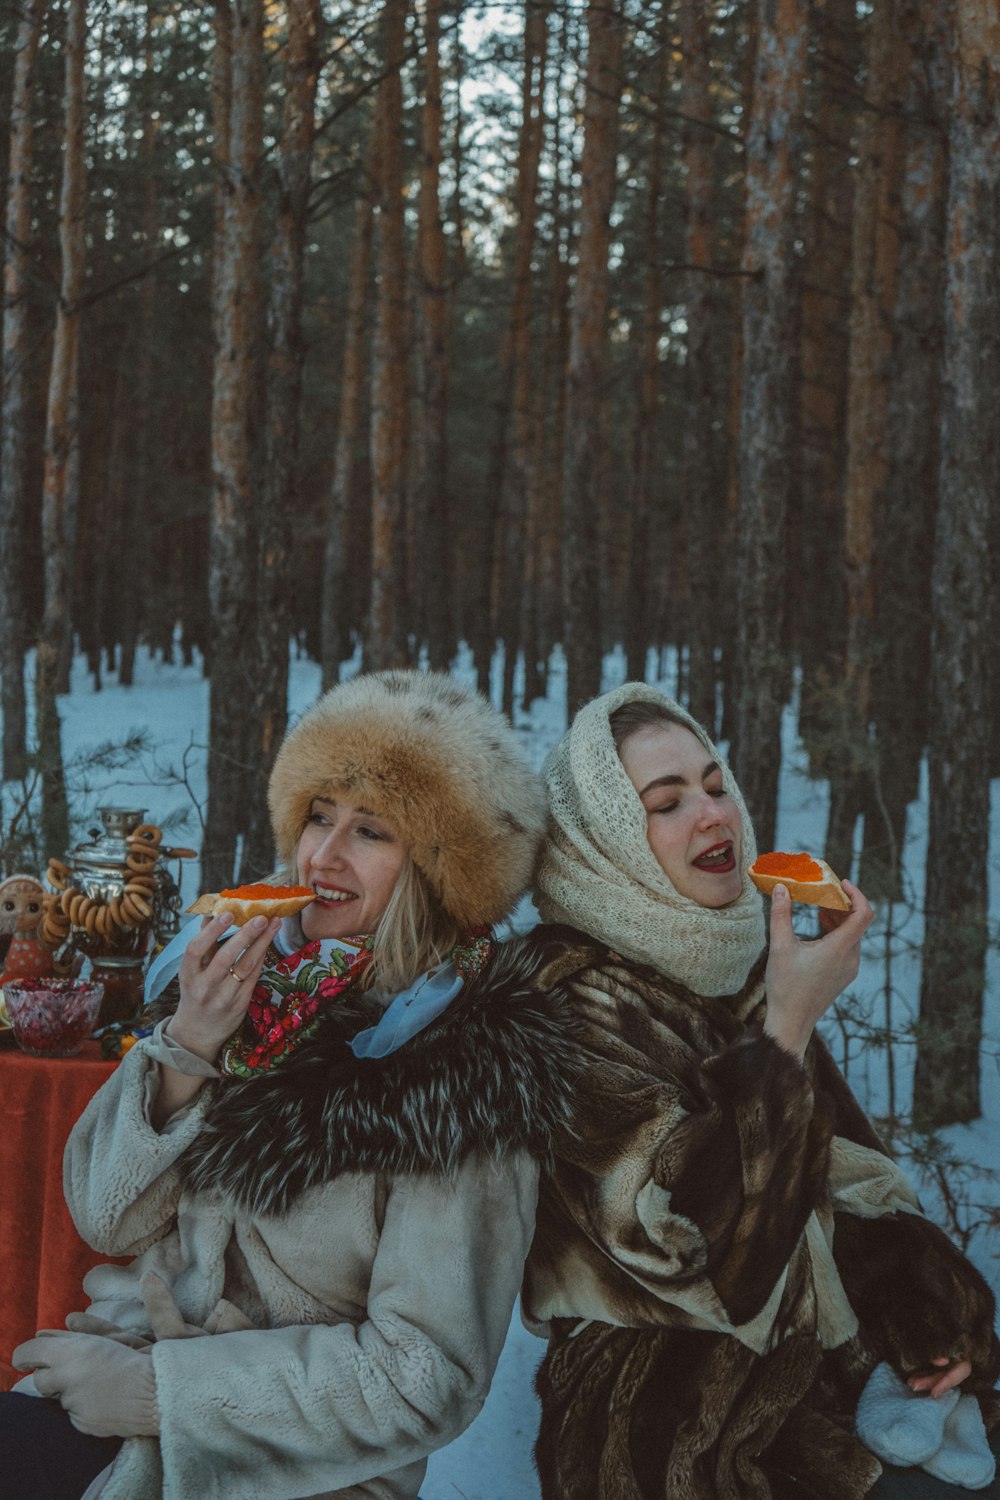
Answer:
(380, 328)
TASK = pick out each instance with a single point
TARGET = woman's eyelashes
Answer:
(672, 806)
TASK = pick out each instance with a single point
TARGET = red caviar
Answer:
(267, 892)
(788, 866)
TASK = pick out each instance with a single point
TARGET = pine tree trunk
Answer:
(767, 449)
(222, 84)
(904, 534)
(816, 596)
(588, 353)
(343, 521)
(13, 458)
(137, 507)
(516, 481)
(548, 462)
(279, 498)
(231, 572)
(874, 267)
(734, 392)
(386, 645)
(946, 1082)
(703, 477)
(433, 585)
(638, 624)
(61, 439)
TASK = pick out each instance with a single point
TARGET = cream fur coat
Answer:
(357, 1316)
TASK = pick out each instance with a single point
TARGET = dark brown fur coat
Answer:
(698, 1151)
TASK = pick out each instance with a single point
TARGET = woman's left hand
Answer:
(108, 1389)
(947, 1374)
(805, 975)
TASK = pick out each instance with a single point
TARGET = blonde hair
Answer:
(413, 934)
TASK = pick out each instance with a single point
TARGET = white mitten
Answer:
(898, 1424)
(964, 1457)
(106, 1388)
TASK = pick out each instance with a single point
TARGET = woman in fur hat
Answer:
(724, 1251)
(325, 1162)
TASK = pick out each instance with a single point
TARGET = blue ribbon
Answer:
(166, 964)
(410, 1012)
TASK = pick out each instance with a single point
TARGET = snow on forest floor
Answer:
(169, 704)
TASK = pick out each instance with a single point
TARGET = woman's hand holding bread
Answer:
(805, 975)
(217, 980)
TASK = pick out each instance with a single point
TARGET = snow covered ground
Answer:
(492, 1460)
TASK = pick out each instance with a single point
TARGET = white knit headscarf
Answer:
(598, 872)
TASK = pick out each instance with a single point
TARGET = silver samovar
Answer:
(118, 899)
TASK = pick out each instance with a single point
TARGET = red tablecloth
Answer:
(42, 1258)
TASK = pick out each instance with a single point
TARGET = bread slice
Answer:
(248, 901)
(804, 877)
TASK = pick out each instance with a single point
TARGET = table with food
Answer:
(75, 945)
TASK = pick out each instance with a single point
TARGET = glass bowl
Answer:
(52, 1017)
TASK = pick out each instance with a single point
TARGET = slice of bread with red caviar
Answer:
(804, 877)
(248, 901)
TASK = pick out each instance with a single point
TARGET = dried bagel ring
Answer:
(115, 911)
(53, 930)
(65, 899)
(104, 923)
(57, 873)
(140, 903)
(141, 861)
(77, 906)
(149, 833)
(90, 917)
(130, 915)
(143, 883)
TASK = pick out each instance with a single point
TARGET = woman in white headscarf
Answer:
(724, 1252)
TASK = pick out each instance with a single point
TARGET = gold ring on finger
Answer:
(236, 975)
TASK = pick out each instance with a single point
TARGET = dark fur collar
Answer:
(492, 1074)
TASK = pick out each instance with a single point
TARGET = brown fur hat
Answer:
(439, 764)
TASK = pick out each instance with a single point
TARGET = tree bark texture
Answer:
(904, 531)
(222, 83)
(703, 473)
(549, 441)
(137, 509)
(734, 393)
(643, 479)
(232, 547)
(279, 498)
(13, 458)
(434, 603)
(817, 595)
(344, 520)
(946, 1082)
(588, 353)
(517, 479)
(386, 646)
(874, 269)
(766, 406)
(59, 499)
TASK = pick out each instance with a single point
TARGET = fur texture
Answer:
(493, 1074)
(443, 768)
(698, 1151)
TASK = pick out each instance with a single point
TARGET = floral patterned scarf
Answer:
(300, 980)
